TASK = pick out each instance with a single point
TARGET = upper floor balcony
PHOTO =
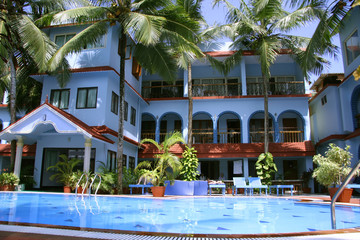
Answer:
(223, 87)
(228, 128)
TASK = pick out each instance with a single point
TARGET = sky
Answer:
(218, 13)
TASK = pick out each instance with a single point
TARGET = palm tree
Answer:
(24, 48)
(158, 171)
(261, 26)
(153, 25)
(192, 8)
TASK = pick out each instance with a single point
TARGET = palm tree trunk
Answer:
(266, 115)
(12, 107)
(190, 138)
(120, 146)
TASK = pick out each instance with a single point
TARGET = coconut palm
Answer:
(153, 25)
(24, 48)
(185, 59)
(167, 165)
(261, 26)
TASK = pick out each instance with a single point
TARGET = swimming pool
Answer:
(199, 215)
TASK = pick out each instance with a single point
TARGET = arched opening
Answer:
(291, 127)
(148, 126)
(202, 128)
(229, 128)
(256, 128)
(169, 122)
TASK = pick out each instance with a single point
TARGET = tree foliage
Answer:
(265, 167)
(334, 166)
(190, 164)
(167, 165)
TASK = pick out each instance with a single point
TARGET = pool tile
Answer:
(262, 221)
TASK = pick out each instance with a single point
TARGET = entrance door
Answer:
(210, 169)
(290, 169)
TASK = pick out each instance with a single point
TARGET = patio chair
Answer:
(240, 183)
(255, 183)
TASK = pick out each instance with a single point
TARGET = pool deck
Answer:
(12, 232)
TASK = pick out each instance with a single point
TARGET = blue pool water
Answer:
(203, 215)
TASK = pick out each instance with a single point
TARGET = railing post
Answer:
(339, 191)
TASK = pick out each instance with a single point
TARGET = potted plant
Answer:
(64, 170)
(128, 177)
(266, 167)
(166, 166)
(8, 181)
(332, 170)
(74, 179)
(306, 176)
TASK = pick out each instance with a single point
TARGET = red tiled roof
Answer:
(105, 130)
(28, 150)
(238, 150)
(92, 131)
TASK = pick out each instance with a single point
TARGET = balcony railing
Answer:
(167, 91)
(258, 136)
(224, 89)
(203, 136)
(225, 136)
(276, 88)
(291, 136)
(149, 135)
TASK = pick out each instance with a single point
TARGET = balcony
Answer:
(257, 136)
(162, 89)
(148, 135)
(291, 135)
(216, 87)
(276, 88)
(202, 136)
(225, 136)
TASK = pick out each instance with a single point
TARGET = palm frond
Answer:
(80, 15)
(89, 35)
(35, 42)
(166, 64)
(146, 29)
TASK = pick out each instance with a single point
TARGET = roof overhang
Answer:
(46, 120)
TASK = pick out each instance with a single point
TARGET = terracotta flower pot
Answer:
(8, 187)
(229, 191)
(158, 191)
(345, 196)
(80, 189)
(67, 189)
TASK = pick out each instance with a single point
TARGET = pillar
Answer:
(87, 155)
(246, 167)
(157, 130)
(18, 157)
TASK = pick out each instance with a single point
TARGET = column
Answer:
(214, 129)
(243, 77)
(157, 130)
(87, 155)
(276, 132)
(18, 157)
(246, 167)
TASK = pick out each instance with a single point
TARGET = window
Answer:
(131, 162)
(352, 46)
(126, 107)
(323, 100)
(100, 43)
(111, 161)
(60, 98)
(60, 40)
(136, 69)
(86, 97)
(124, 160)
(133, 116)
(114, 103)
